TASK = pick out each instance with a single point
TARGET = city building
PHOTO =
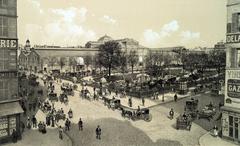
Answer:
(231, 108)
(100, 41)
(220, 46)
(127, 44)
(10, 108)
(29, 59)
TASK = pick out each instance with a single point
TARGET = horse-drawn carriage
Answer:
(45, 106)
(60, 115)
(115, 104)
(63, 98)
(67, 89)
(191, 107)
(142, 114)
(139, 114)
(85, 94)
(106, 101)
(207, 112)
(184, 122)
(52, 96)
(112, 103)
(40, 92)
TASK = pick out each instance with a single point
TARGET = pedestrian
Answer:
(130, 102)
(34, 121)
(67, 126)
(143, 101)
(14, 136)
(40, 126)
(215, 131)
(175, 97)
(48, 120)
(80, 124)
(171, 114)
(22, 126)
(28, 123)
(60, 132)
(44, 130)
(98, 132)
(53, 121)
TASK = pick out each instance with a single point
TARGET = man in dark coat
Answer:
(175, 97)
(98, 132)
(34, 121)
(171, 114)
(80, 124)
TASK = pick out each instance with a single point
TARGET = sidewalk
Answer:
(35, 138)
(209, 140)
(168, 97)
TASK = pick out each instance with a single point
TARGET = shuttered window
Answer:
(3, 89)
(3, 26)
(3, 3)
(229, 27)
(235, 22)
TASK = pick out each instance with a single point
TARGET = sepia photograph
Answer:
(119, 72)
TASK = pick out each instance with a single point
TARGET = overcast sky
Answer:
(154, 23)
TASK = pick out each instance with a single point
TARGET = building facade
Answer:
(231, 108)
(29, 59)
(10, 108)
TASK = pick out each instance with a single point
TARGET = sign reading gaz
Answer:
(8, 43)
(233, 88)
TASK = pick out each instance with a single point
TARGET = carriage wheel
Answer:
(133, 118)
(148, 118)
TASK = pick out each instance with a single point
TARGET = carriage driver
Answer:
(138, 112)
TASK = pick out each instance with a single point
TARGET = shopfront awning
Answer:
(231, 109)
(10, 109)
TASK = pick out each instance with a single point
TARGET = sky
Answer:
(154, 23)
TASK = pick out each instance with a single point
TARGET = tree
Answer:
(52, 61)
(167, 59)
(88, 61)
(109, 55)
(72, 63)
(62, 62)
(218, 59)
(154, 63)
(133, 58)
(123, 62)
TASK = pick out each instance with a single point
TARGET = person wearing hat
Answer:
(98, 132)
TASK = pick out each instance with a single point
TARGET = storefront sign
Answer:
(233, 88)
(231, 74)
(8, 43)
(233, 38)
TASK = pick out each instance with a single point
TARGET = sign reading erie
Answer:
(233, 38)
(8, 43)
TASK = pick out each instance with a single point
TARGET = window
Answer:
(3, 3)
(3, 59)
(3, 26)
(3, 89)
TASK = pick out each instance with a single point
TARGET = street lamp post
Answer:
(163, 92)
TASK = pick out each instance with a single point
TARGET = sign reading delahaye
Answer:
(8, 43)
(233, 38)
(233, 83)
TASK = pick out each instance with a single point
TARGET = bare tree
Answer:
(88, 61)
(133, 59)
(52, 61)
(72, 63)
(62, 62)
